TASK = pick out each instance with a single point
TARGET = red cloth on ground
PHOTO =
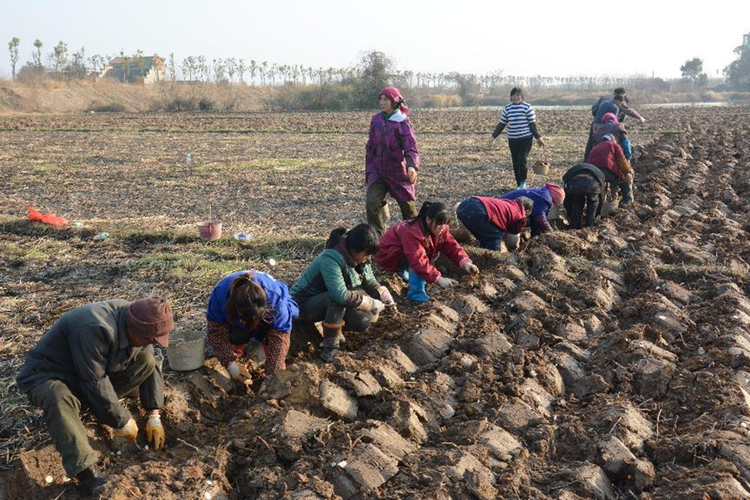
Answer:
(51, 219)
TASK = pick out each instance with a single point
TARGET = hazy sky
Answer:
(551, 38)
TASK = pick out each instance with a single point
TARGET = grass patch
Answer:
(272, 164)
(43, 250)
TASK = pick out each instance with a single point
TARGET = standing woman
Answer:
(250, 305)
(520, 119)
(391, 160)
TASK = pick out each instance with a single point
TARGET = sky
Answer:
(541, 37)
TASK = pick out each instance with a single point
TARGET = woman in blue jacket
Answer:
(250, 305)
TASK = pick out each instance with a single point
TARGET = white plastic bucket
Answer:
(186, 350)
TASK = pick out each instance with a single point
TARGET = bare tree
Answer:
(13, 49)
(189, 66)
(38, 55)
(262, 70)
(140, 61)
(219, 70)
(78, 64)
(230, 65)
(253, 71)
(172, 67)
(60, 54)
(241, 70)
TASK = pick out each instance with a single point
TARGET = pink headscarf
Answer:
(558, 195)
(609, 118)
(396, 98)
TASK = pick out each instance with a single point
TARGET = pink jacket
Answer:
(407, 239)
(391, 150)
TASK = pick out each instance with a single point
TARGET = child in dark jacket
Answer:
(416, 244)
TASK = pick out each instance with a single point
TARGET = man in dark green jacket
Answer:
(91, 357)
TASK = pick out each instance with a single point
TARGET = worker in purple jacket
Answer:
(391, 161)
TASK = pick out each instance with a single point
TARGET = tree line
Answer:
(232, 70)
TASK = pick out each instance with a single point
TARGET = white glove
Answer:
(368, 303)
(238, 372)
(470, 268)
(386, 297)
(446, 282)
(377, 307)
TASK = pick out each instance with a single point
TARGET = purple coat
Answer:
(616, 130)
(391, 150)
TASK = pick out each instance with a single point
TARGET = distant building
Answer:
(147, 70)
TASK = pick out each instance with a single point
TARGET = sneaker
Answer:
(522, 185)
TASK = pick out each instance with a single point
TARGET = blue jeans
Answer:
(473, 215)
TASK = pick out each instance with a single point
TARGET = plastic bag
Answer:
(51, 219)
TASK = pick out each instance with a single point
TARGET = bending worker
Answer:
(91, 357)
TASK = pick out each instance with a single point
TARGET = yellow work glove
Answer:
(129, 431)
(155, 432)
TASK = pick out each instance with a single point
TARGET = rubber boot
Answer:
(91, 480)
(403, 273)
(331, 341)
(416, 291)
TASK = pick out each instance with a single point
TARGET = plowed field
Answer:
(611, 362)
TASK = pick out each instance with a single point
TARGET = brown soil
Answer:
(611, 362)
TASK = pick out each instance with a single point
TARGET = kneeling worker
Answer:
(91, 357)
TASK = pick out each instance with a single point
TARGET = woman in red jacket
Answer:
(494, 220)
(416, 243)
(609, 157)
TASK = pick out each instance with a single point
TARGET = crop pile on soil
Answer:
(612, 362)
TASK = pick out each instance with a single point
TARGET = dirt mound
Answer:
(612, 362)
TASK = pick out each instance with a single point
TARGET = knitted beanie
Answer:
(558, 194)
(150, 318)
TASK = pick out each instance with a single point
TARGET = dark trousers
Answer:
(61, 405)
(377, 206)
(589, 142)
(581, 192)
(626, 188)
(519, 153)
(322, 308)
(473, 215)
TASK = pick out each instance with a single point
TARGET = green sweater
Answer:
(326, 274)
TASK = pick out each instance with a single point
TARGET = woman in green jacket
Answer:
(339, 287)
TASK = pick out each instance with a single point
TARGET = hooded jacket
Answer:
(391, 150)
(407, 239)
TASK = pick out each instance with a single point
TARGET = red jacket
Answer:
(609, 155)
(408, 240)
(508, 215)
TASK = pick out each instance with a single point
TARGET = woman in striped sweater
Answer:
(520, 119)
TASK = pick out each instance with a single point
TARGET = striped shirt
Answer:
(517, 117)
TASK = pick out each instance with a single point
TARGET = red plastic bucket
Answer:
(210, 230)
